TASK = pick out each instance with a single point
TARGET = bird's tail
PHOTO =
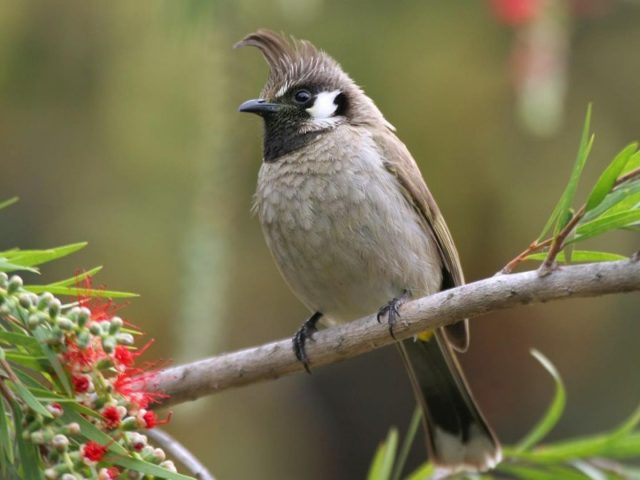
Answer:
(458, 437)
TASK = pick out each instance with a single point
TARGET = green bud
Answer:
(72, 428)
(169, 465)
(125, 339)
(5, 310)
(60, 442)
(15, 283)
(4, 280)
(65, 324)
(108, 344)
(94, 328)
(43, 300)
(104, 363)
(83, 339)
(26, 300)
(34, 320)
(130, 424)
(84, 314)
(114, 325)
(54, 308)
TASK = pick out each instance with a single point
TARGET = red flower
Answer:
(111, 417)
(516, 12)
(93, 451)
(80, 383)
(78, 358)
(150, 420)
(124, 357)
(113, 472)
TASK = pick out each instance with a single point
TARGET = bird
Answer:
(355, 231)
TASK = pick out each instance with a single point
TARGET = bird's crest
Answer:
(292, 62)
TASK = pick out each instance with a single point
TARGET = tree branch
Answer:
(273, 360)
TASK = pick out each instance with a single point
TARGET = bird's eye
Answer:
(302, 96)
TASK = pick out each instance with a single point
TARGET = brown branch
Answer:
(273, 360)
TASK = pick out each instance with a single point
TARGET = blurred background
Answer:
(118, 125)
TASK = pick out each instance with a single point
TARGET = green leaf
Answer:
(90, 431)
(28, 397)
(632, 164)
(606, 223)
(407, 443)
(146, 468)
(6, 444)
(559, 213)
(383, 460)
(27, 360)
(7, 266)
(424, 472)
(8, 203)
(32, 258)
(624, 197)
(580, 256)
(60, 373)
(29, 458)
(608, 178)
(554, 411)
(76, 279)
(79, 292)
(19, 339)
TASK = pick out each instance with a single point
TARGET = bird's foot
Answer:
(392, 311)
(304, 333)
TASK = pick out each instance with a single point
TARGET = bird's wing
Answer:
(401, 164)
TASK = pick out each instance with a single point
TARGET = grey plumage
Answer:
(352, 225)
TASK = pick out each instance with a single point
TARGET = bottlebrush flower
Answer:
(81, 383)
(111, 416)
(93, 451)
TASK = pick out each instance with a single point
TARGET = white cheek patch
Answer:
(324, 107)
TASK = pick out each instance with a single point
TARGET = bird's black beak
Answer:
(259, 107)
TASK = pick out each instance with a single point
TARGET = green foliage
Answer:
(578, 459)
(46, 422)
(613, 204)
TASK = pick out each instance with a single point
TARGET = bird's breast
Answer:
(341, 230)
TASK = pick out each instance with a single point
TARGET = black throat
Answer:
(282, 137)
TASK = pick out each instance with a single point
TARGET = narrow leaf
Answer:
(32, 258)
(608, 178)
(29, 458)
(606, 223)
(554, 411)
(382, 464)
(625, 197)
(580, 256)
(7, 266)
(424, 472)
(154, 471)
(61, 374)
(33, 403)
(79, 292)
(632, 164)
(76, 279)
(563, 205)
(8, 203)
(19, 339)
(414, 425)
(6, 445)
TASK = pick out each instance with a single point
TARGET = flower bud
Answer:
(15, 283)
(169, 465)
(65, 324)
(125, 339)
(26, 300)
(84, 314)
(4, 280)
(60, 442)
(114, 325)
(54, 308)
(72, 428)
(159, 455)
(83, 339)
(43, 300)
(94, 328)
(108, 344)
(34, 320)
(68, 476)
(50, 474)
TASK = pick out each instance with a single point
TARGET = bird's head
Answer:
(307, 93)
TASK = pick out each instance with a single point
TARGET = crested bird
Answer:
(354, 230)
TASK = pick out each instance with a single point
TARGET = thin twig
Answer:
(179, 452)
(558, 242)
(273, 360)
